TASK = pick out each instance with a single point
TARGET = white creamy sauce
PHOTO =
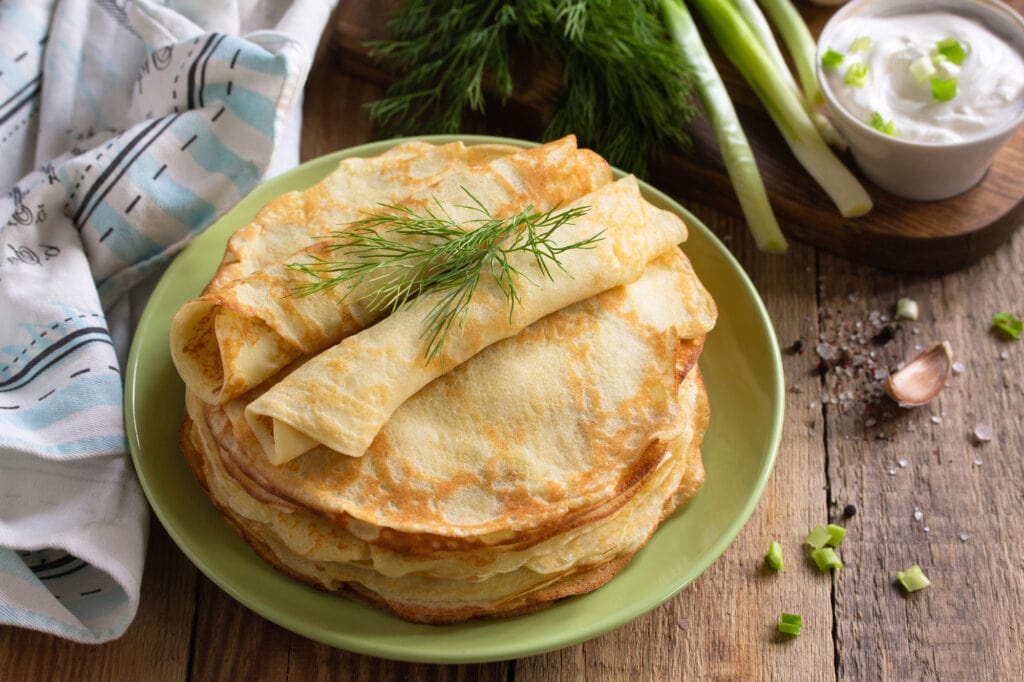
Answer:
(990, 80)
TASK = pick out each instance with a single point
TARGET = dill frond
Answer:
(624, 92)
(397, 255)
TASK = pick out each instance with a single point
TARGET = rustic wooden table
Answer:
(925, 490)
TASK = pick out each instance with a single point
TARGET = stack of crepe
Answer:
(526, 462)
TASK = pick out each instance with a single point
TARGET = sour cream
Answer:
(989, 80)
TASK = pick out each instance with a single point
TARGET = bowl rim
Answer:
(994, 10)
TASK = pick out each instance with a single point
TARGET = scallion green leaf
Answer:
(774, 556)
(831, 59)
(790, 623)
(1007, 323)
(913, 579)
(951, 49)
(818, 537)
(881, 125)
(943, 90)
(836, 534)
(861, 44)
(857, 75)
(826, 558)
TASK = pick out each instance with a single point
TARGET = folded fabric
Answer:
(126, 129)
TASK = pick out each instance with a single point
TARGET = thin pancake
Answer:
(342, 397)
(555, 420)
(241, 332)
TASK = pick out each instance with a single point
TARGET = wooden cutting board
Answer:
(898, 234)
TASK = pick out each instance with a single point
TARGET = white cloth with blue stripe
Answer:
(126, 127)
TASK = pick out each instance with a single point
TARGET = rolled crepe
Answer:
(342, 397)
(241, 332)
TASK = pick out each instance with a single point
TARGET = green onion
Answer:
(736, 152)
(943, 90)
(913, 579)
(922, 70)
(790, 623)
(774, 556)
(818, 537)
(856, 75)
(1006, 322)
(951, 49)
(800, 43)
(826, 558)
(836, 535)
(762, 29)
(862, 44)
(881, 125)
(831, 59)
(740, 45)
(906, 308)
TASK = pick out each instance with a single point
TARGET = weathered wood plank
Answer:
(896, 464)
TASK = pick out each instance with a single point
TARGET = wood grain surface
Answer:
(842, 444)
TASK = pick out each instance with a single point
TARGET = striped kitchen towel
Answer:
(126, 127)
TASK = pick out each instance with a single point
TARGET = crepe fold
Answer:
(342, 397)
(249, 323)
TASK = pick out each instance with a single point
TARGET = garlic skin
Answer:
(922, 378)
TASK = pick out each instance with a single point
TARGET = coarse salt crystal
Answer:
(1004, 355)
(903, 463)
(892, 472)
(936, 419)
(926, 529)
(918, 515)
(963, 537)
(958, 368)
(983, 433)
(977, 462)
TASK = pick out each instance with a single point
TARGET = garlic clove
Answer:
(922, 378)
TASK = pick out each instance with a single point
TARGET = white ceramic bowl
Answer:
(912, 169)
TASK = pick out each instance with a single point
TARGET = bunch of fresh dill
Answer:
(625, 92)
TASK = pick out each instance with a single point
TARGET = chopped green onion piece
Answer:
(943, 90)
(906, 308)
(836, 534)
(832, 59)
(774, 556)
(1008, 324)
(790, 623)
(826, 558)
(818, 537)
(922, 70)
(857, 75)
(881, 125)
(913, 579)
(862, 44)
(951, 49)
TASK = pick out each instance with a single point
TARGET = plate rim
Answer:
(425, 654)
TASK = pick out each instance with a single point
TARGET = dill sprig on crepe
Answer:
(625, 92)
(397, 255)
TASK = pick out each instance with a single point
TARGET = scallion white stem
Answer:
(736, 152)
(741, 46)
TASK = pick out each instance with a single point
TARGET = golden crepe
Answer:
(527, 470)
(243, 330)
(343, 396)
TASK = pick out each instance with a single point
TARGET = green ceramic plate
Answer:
(742, 369)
